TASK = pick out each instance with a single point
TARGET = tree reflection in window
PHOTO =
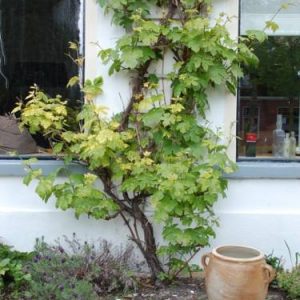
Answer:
(273, 87)
(34, 36)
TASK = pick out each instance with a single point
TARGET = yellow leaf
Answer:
(73, 80)
(73, 45)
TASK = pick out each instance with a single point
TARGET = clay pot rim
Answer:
(259, 257)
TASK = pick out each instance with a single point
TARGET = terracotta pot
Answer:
(236, 273)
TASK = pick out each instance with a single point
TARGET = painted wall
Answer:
(257, 212)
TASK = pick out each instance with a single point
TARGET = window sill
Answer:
(15, 167)
(246, 169)
(266, 170)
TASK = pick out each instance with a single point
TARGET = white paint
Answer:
(99, 30)
(262, 214)
(259, 213)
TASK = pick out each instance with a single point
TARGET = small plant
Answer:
(277, 264)
(75, 270)
(12, 275)
(295, 262)
(289, 281)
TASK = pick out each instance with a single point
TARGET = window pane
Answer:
(255, 14)
(34, 36)
(269, 93)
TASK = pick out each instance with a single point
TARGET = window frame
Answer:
(248, 164)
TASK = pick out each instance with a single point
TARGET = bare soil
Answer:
(183, 289)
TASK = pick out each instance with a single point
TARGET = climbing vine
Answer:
(155, 155)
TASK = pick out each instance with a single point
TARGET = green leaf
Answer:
(195, 44)
(172, 233)
(93, 88)
(231, 87)
(272, 25)
(257, 34)
(4, 262)
(44, 188)
(217, 74)
(115, 67)
(58, 147)
(102, 3)
(65, 201)
(73, 81)
(77, 178)
(236, 71)
(132, 57)
(33, 174)
(30, 161)
(153, 117)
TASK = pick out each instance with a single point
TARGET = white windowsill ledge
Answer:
(246, 169)
(15, 167)
(266, 170)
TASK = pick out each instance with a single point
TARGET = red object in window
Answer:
(251, 137)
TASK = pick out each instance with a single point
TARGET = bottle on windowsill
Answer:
(287, 146)
(293, 145)
(251, 144)
(278, 138)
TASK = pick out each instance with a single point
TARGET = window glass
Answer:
(34, 37)
(268, 113)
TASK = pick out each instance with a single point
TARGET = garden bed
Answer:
(71, 269)
(186, 289)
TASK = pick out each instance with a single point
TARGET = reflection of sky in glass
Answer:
(255, 14)
(269, 6)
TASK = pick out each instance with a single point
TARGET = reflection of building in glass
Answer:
(260, 116)
(269, 89)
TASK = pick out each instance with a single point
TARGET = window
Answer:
(34, 37)
(270, 93)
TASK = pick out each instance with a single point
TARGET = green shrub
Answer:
(12, 275)
(75, 270)
(277, 265)
(289, 281)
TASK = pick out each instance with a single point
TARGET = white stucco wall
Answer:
(260, 212)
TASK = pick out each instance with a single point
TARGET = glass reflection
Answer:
(269, 90)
